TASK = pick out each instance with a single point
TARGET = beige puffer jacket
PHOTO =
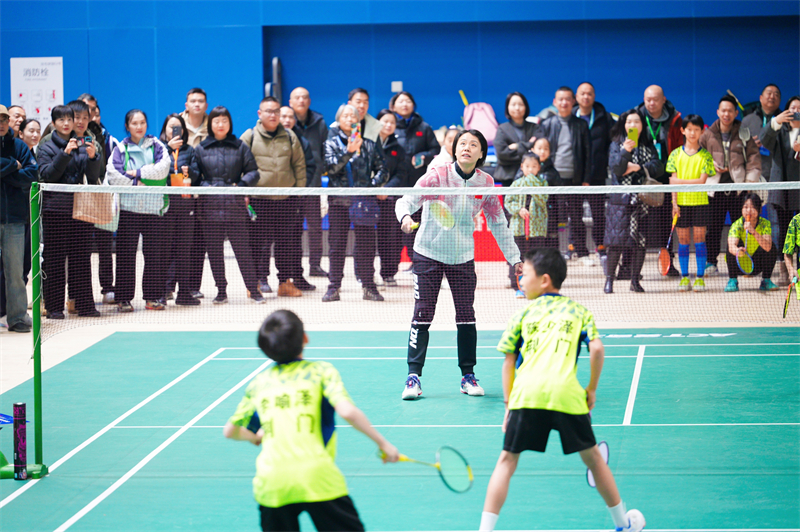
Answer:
(280, 158)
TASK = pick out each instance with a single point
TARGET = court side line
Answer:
(29, 484)
(637, 372)
(111, 489)
(219, 427)
(721, 355)
(495, 347)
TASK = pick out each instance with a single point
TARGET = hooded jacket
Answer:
(417, 138)
(741, 170)
(56, 166)
(279, 157)
(456, 245)
(15, 183)
(314, 130)
(600, 134)
(368, 169)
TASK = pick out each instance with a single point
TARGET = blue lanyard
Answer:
(591, 117)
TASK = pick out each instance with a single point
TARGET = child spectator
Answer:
(295, 471)
(691, 165)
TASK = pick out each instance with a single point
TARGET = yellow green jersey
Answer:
(548, 334)
(763, 227)
(295, 405)
(792, 242)
(691, 167)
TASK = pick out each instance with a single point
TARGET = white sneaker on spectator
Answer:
(588, 261)
(711, 269)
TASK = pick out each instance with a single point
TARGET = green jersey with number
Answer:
(548, 334)
(295, 404)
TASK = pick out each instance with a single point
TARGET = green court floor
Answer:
(703, 428)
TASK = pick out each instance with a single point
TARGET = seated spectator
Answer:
(513, 138)
(62, 161)
(445, 156)
(751, 234)
(630, 162)
(225, 161)
(139, 160)
(179, 221)
(352, 161)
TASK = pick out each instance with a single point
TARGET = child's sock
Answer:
(701, 254)
(683, 258)
(618, 515)
(488, 520)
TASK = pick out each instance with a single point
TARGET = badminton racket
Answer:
(788, 297)
(664, 260)
(453, 468)
(743, 259)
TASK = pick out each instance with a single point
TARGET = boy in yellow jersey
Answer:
(691, 165)
(292, 405)
(544, 394)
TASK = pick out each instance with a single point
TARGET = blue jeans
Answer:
(12, 251)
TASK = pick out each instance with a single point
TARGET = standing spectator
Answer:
(630, 162)
(352, 161)
(600, 124)
(17, 116)
(179, 221)
(663, 129)
(289, 122)
(723, 140)
(195, 116)
(61, 160)
(30, 132)
(312, 127)
(390, 237)
(514, 138)
(281, 163)
(140, 160)
(752, 235)
(18, 170)
(370, 127)
(441, 253)
(758, 124)
(571, 149)
(225, 161)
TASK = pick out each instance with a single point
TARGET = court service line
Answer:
(29, 484)
(122, 480)
(637, 372)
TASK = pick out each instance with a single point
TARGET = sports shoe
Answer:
(588, 261)
(732, 286)
(699, 285)
(635, 522)
(124, 306)
(711, 269)
(264, 287)
(108, 298)
(197, 294)
(257, 298)
(684, 285)
(331, 295)
(303, 285)
(170, 296)
(520, 294)
(20, 327)
(221, 298)
(470, 386)
(154, 305)
(372, 294)
(187, 301)
(389, 282)
(90, 313)
(288, 289)
(413, 388)
(767, 285)
(317, 271)
(59, 315)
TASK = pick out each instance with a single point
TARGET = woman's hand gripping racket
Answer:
(743, 259)
(440, 213)
(451, 465)
(789, 295)
(664, 261)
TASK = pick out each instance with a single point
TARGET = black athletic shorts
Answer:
(529, 428)
(693, 216)
(328, 516)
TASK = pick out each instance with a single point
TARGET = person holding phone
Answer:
(179, 221)
(514, 138)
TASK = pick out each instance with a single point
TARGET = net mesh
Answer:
(145, 244)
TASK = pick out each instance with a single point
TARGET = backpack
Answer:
(481, 116)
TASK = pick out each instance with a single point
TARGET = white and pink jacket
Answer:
(456, 245)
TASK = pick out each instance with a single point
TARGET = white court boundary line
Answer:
(637, 372)
(310, 347)
(144, 461)
(667, 530)
(347, 426)
(31, 483)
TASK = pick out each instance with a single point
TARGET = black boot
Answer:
(609, 287)
(637, 261)
(636, 286)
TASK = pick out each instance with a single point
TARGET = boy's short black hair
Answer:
(529, 155)
(548, 261)
(481, 139)
(79, 106)
(695, 120)
(281, 336)
(61, 111)
(730, 99)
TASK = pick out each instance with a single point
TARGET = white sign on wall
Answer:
(37, 85)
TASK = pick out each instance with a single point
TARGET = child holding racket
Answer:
(544, 394)
(791, 246)
(751, 235)
(291, 406)
(691, 165)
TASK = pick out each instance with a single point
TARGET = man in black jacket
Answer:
(311, 126)
(571, 149)
(17, 171)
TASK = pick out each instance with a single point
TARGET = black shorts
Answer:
(693, 216)
(529, 428)
(330, 516)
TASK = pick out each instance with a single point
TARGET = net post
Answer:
(38, 469)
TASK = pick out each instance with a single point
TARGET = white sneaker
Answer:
(588, 261)
(470, 386)
(413, 388)
(711, 269)
(635, 522)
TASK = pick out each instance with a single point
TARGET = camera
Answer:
(83, 141)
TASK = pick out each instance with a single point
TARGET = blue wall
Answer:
(149, 53)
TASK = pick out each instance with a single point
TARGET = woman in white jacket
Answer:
(450, 253)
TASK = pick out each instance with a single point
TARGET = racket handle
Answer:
(415, 226)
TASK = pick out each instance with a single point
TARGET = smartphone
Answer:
(355, 131)
(83, 141)
(796, 117)
(177, 131)
(418, 159)
(633, 134)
